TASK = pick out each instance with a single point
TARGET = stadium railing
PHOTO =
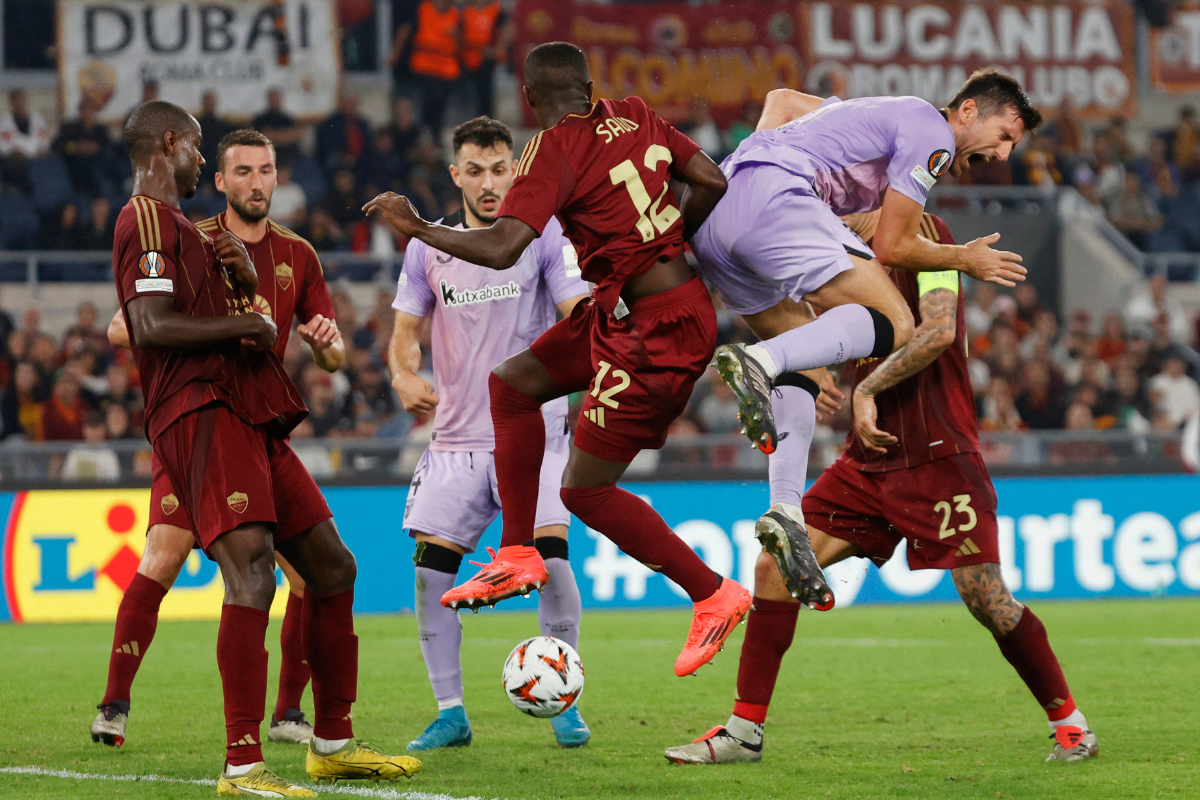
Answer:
(714, 456)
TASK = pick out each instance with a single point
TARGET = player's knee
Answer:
(894, 326)
(165, 554)
(340, 573)
(585, 501)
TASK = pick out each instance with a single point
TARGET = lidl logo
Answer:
(69, 556)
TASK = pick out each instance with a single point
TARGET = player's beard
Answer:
(247, 213)
(487, 219)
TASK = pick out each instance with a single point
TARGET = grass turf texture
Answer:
(873, 702)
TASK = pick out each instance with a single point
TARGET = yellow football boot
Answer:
(259, 782)
(358, 760)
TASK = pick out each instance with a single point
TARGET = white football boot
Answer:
(718, 746)
(1072, 743)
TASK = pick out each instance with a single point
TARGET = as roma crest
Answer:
(238, 501)
(283, 274)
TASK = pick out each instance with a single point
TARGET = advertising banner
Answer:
(1175, 51)
(239, 48)
(69, 555)
(735, 52)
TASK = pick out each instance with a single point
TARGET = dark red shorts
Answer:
(640, 369)
(235, 474)
(946, 509)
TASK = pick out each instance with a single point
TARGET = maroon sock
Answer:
(637, 529)
(242, 660)
(769, 633)
(520, 444)
(332, 651)
(1027, 648)
(137, 617)
(293, 671)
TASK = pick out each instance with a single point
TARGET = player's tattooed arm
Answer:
(497, 246)
(936, 332)
(982, 588)
(155, 325)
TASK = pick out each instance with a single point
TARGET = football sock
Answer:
(746, 730)
(1075, 718)
(769, 633)
(327, 746)
(438, 627)
(559, 606)
(293, 669)
(520, 444)
(453, 702)
(242, 662)
(137, 618)
(1028, 649)
(632, 525)
(241, 769)
(838, 335)
(332, 650)
(795, 419)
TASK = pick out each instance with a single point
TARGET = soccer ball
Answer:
(543, 676)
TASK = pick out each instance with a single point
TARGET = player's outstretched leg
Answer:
(781, 530)
(329, 571)
(1022, 639)
(441, 643)
(590, 493)
(167, 548)
(769, 633)
(288, 724)
(560, 612)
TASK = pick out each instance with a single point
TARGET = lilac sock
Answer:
(796, 415)
(559, 607)
(441, 634)
(837, 336)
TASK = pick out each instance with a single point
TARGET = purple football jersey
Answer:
(482, 316)
(851, 151)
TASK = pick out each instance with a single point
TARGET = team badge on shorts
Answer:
(169, 504)
(939, 162)
(151, 264)
(238, 501)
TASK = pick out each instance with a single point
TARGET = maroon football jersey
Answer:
(932, 413)
(606, 175)
(158, 252)
(291, 283)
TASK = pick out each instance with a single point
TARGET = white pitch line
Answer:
(387, 794)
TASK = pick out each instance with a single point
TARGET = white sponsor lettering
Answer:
(571, 261)
(154, 285)
(453, 296)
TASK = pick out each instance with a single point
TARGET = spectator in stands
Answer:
(289, 201)
(62, 417)
(381, 168)
(101, 226)
(7, 326)
(326, 413)
(1038, 164)
(434, 62)
(487, 34)
(83, 143)
(92, 462)
(118, 424)
(1066, 129)
(1039, 407)
(118, 391)
(1133, 213)
(214, 127)
(999, 413)
(65, 233)
(344, 204)
(433, 191)
(1175, 395)
(980, 312)
(344, 135)
(1111, 344)
(24, 135)
(1160, 178)
(1185, 142)
(31, 395)
(717, 413)
(280, 127)
(320, 229)
(85, 327)
(406, 129)
(1151, 301)
(703, 130)
(1133, 403)
(1078, 417)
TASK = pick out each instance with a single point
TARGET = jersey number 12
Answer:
(660, 217)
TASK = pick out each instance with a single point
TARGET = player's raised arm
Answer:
(897, 245)
(495, 247)
(937, 331)
(156, 326)
(323, 336)
(785, 105)
(706, 185)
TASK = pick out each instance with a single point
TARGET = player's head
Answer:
(246, 173)
(557, 81)
(483, 166)
(989, 115)
(160, 130)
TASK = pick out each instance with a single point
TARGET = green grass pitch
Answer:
(874, 702)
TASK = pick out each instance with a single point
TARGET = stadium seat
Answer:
(309, 175)
(51, 184)
(18, 222)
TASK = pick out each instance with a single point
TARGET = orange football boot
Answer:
(713, 622)
(514, 570)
